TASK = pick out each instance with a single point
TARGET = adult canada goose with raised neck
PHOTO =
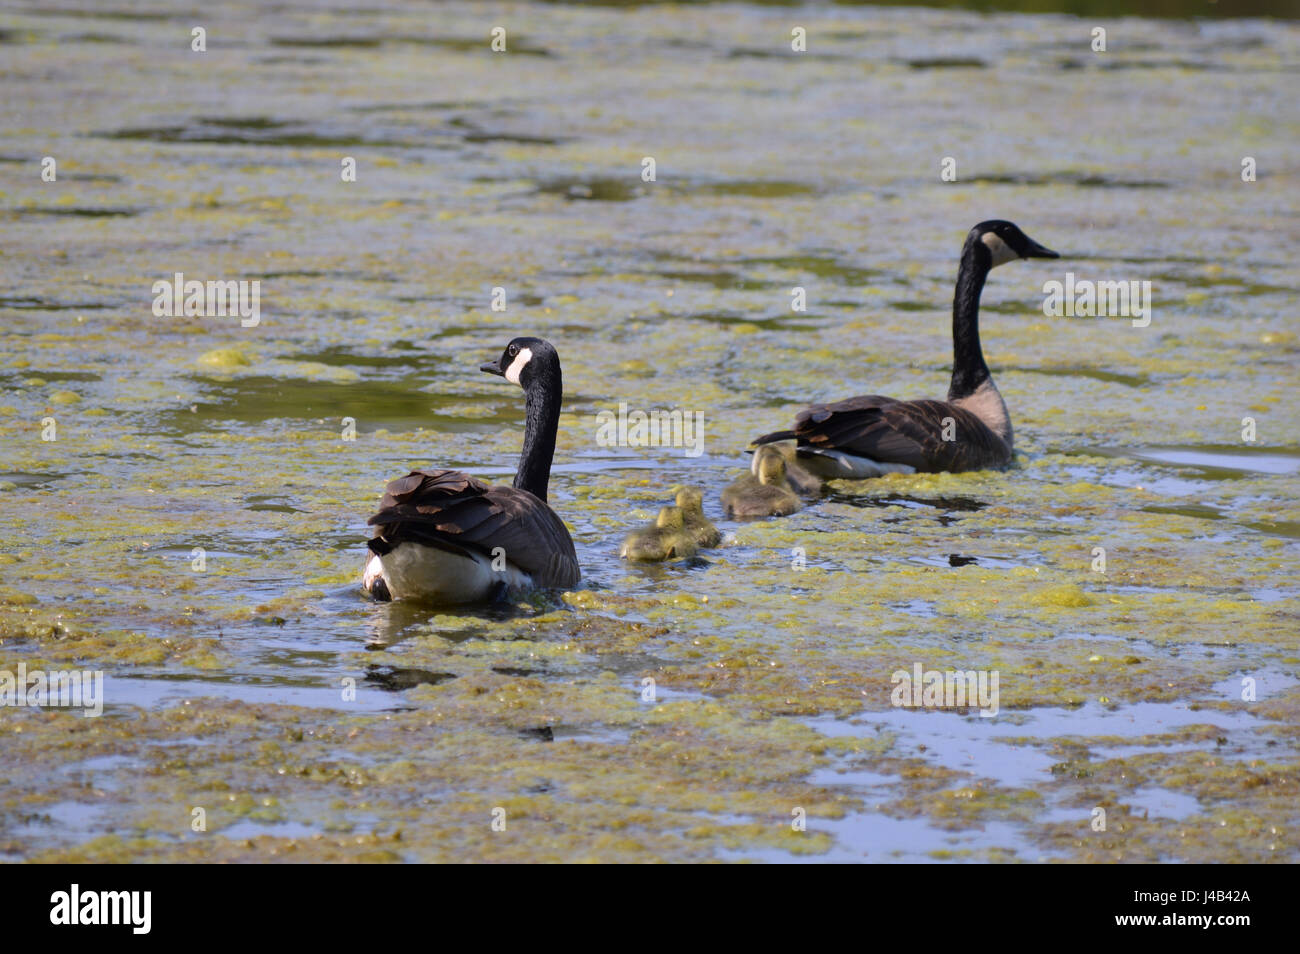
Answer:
(872, 435)
(445, 537)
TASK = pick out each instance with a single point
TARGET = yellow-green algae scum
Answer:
(225, 688)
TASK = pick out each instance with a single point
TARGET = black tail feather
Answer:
(774, 437)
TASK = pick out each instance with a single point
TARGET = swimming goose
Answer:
(872, 435)
(691, 502)
(446, 537)
(765, 492)
(665, 539)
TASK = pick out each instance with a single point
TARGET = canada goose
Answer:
(872, 435)
(691, 503)
(665, 539)
(444, 537)
(765, 492)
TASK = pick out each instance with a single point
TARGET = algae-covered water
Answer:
(182, 507)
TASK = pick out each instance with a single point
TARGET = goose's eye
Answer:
(512, 351)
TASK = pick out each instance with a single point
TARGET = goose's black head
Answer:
(525, 361)
(1003, 242)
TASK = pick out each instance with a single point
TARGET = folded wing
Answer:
(930, 436)
(452, 510)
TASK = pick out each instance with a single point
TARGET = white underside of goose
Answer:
(414, 571)
(838, 464)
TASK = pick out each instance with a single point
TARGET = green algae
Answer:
(226, 684)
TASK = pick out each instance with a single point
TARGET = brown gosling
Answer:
(765, 492)
(691, 502)
(666, 539)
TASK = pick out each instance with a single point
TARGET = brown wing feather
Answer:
(902, 432)
(452, 510)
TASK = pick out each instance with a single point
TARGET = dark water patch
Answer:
(781, 51)
(395, 404)
(754, 188)
(39, 303)
(947, 504)
(257, 131)
(1237, 283)
(914, 305)
(1278, 528)
(1197, 65)
(348, 275)
(89, 177)
(1197, 511)
(29, 481)
(342, 358)
(541, 733)
(328, 42)
(18, 376)
(95, 12)
(476, 134)
(1095, 374)
(94, 38)
(515, 46)
(946, 63)
(517, 672)
(778, 323)
(76, 212)
(720, 279)
(273, 503)
(397, 679)
(291, 60)
(596, 189)
(1080, 179)
(956, 559)
(822, 266)
(443, 105)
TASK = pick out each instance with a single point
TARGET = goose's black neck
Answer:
(968, 368)
(541, 420)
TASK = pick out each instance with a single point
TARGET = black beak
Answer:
(1034, 250)
(492, 367)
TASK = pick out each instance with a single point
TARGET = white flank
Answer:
(837, 464)
(414, 571)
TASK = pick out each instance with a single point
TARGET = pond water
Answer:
(253, 682)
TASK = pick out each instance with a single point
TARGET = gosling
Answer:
(765, 492)
(666, 539)
(691, 502)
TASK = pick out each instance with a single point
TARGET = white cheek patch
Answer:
(517, 366)
(1002, 252)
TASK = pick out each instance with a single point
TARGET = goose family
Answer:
(871, 435)
(443, 536)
